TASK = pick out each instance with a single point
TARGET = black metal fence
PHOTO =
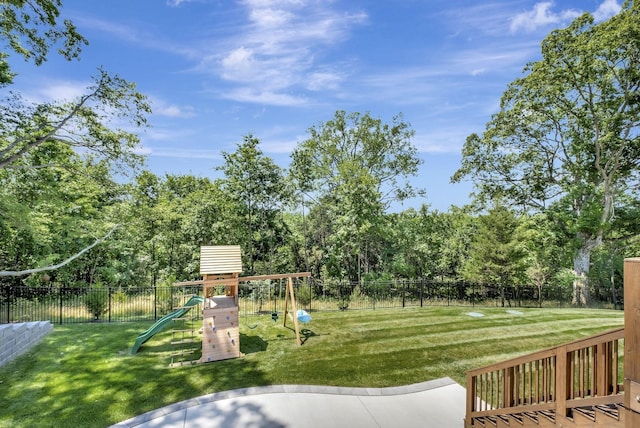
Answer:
(63, 305)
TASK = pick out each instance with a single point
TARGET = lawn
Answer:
(81, 375)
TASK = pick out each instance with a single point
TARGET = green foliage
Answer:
(165, 295)
(31, 29)
(304, 294)
(566, 136)
(497, 256)
(344, 176)
(256, 187)
(564, 279)
(353, 167)
(55, 200)
(261, 295)
(119, 296)
(83, 122)
(97, 300)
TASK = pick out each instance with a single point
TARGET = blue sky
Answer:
(216, 70)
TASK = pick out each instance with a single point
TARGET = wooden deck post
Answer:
(632, 342)
(471, 400)
(562, 380)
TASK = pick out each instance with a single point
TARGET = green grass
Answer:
(81, 375)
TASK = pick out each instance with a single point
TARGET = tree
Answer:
(256, 187)
(351, 169)
(543, 244)
(61, 208)
(566, 136)
(459, 227)
(417, 242)
(497, 253)
(84, 122)
(31, 29)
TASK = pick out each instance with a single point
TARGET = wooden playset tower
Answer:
(220, 267)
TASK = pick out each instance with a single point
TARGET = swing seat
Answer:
(303, 316)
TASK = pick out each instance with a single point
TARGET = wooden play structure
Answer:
(220, 267)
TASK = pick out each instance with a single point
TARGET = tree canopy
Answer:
(566, 136)
(31, 28)
(35, 139)
(349, 170)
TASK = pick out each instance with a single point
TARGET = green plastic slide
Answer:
(164, 322)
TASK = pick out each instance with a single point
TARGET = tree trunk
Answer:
(614, 295)
(581, 263)
(539, 284)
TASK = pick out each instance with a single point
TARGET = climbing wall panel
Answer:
(220, 334)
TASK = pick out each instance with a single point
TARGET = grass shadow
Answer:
(80, 376)
(305, 334)
(252, 344)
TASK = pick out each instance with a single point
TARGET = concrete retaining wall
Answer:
(15, 339)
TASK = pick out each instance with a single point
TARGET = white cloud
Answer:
(323, 80)
(120, 31)
(540, 16)
(485, 18)
(279, 50)
(257, 4)
(62, 90)
(179, 152)
(270, 18)
(176, 3)
(441, 141)
(49, 90)
(143, 150)
(606, 10)
(239, 64)
(250, 95)
(280, 146)
(162, 108)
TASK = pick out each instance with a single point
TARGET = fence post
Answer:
(473, 294)
(60, 304)
(109, 291)
(559, 288)
(404, 292)
(8, 300)
(631, 342)
(155, 300)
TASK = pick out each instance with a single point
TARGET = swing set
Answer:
(298, 315)
(220, 267)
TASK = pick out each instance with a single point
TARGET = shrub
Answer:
(97, 301)
(303, 295)
(165, 294)
(119, 296)
(261, 294)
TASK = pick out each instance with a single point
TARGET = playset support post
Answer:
(220, 266)
(290, 295)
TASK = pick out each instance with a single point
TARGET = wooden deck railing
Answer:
(587, 372)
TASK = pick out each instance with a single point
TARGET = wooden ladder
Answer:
(183, 339)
